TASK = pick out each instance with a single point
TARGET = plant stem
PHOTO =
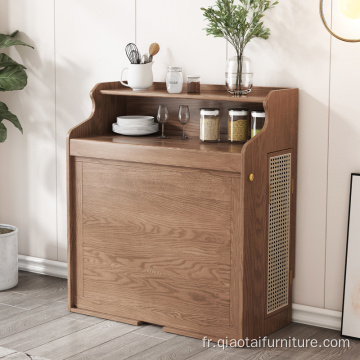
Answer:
(238, 24)
(239, 72)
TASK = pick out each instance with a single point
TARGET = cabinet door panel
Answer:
(156, 243)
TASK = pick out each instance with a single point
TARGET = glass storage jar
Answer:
(257, 122)
(239, 75)
(238, 125)
(174, 80)
(210, 125)
(193, 84)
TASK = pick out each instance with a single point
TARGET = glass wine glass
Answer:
(162, 118)
(184, 117)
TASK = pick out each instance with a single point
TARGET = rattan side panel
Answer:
(279, 232)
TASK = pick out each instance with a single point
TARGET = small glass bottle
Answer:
(193, 84)
(257, 122)
(174, 80)
(210, 125)
(238, 125)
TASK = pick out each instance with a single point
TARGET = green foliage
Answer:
(12, 74)
(12, 77)
(5, 114)
(238, 23)
(8, 40)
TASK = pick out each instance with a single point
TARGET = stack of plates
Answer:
(135, 125)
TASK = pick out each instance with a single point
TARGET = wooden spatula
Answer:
(153, 50)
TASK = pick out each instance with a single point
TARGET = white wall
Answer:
(90, 37)
(344, 154)
(79, 43)
(27, 162)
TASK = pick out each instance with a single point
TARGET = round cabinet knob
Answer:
(251, 177)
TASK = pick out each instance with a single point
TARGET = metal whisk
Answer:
(132, 53)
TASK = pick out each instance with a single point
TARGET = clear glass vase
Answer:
(239, 75)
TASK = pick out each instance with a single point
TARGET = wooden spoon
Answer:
(153, 50)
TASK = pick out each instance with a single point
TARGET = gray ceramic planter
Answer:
(8, 256)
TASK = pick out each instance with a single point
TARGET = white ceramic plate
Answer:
(133, 131)
(143, 127)
(152, 127)
(135, 120)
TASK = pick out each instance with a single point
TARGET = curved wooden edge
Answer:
(274, 123)
(98, 123)
(282, 107)
(279, 133)
(88, 126)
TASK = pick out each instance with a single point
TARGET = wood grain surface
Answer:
(279, 133)
(101, 316)
(208, 92)
(173, 232)
(157, 235)
(99, 123)
(149, 106)
(151, 150)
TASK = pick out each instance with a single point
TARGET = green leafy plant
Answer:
(238, 24)
(12, 77)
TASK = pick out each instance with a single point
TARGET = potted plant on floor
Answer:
(238, 24)
(12, 77)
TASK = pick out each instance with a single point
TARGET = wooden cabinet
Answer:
(174, 232)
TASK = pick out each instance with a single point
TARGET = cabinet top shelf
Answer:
(208, 92)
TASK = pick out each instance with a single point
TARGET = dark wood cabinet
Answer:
(196, 237)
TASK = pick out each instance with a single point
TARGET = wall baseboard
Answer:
(43, 266)
(309, 315)
(301, 313)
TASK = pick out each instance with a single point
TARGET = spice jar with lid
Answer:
(238, 125)
(257, 122)
(174, 80)
(210, 125)
(193, 84)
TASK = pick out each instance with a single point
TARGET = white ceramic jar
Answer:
(174, 80)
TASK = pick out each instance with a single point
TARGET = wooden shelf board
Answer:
(208, 92)
(222, 156)
(172, 143)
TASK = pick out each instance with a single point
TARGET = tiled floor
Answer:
(35, 324)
